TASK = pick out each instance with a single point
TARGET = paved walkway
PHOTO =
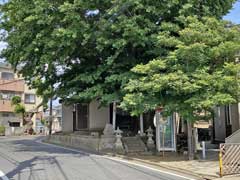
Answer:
(229, 178)
(208, 168)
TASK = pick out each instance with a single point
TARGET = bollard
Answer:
(203, 150)
(220, 164)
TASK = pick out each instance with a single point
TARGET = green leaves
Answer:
(18, 107)
(95, 44)
(198, 74)
(16, 100)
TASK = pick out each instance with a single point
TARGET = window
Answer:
(14, 124)
(30, 98)
(8, 95)
(7, 75)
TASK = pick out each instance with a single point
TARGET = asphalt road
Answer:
(25, 158)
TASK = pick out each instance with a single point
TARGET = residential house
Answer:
(13, 85)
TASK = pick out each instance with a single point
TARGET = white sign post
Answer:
(165, 133)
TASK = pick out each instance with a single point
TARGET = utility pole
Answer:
(50, 117)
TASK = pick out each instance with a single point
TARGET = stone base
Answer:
(107, 142)
(119, 149)
(151, 146)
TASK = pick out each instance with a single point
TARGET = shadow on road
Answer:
(30, 145)
(29, 164)
(39, 154)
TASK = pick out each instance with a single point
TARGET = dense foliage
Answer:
(200, 73)
(85, 49)
(19, 108)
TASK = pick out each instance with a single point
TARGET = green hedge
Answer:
(2, 130)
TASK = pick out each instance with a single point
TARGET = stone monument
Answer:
(107, 139)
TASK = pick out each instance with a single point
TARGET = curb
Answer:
(204, 176)
(124, 157)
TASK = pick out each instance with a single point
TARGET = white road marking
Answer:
(3, 176)
(147, 167)
(117, 159)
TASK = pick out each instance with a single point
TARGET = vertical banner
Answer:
(165, 132)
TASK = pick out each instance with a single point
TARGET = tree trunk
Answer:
(50, 117)
(190, 141)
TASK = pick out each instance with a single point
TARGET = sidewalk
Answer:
(208, 169)
(229, 178)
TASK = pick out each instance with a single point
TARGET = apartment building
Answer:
(12, 85)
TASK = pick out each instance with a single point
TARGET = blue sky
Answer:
(234, 14)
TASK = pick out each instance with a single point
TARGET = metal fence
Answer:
(229, 158)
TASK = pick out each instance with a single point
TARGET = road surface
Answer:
(26, 158)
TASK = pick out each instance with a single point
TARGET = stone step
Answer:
(133, 144)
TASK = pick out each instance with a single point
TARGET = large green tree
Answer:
(88, 47)
(125, 34)
(200, 73)
(85, 49)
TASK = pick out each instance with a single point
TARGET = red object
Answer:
(159, 109)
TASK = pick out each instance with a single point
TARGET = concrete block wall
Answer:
(67, 118)
(14, 131)
(98, 117)
(84, 142)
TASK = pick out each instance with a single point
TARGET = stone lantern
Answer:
(150, 142)
(118, 143)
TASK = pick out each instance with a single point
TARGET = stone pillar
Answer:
(114, 115)
(196, 144)
(150, 142)
(141, 126)
(107, 141)
(158, 131)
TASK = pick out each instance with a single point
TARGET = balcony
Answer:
(5, 106)
(12, 85)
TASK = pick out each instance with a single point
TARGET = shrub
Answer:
(16, 100)
(2, 130)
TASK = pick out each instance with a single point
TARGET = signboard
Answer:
(167, 134)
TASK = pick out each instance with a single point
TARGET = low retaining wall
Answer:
(84, 142)
(14, 131)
